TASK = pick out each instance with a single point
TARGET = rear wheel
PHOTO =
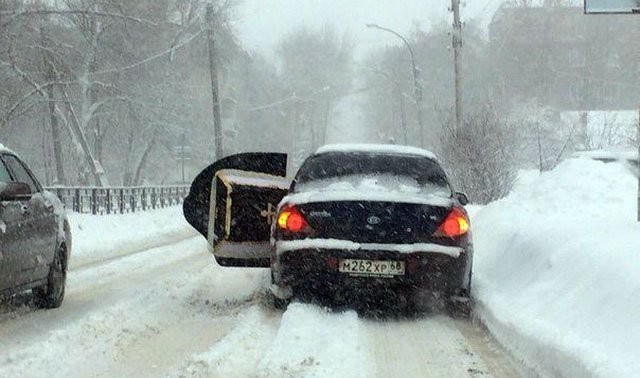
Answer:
(51, 294)
(280, 304)
(460, 306)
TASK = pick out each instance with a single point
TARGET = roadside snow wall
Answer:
(99, 237)
(557, 270)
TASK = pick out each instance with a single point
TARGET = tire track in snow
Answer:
(238, 354)
(433, 346)
(115, 311)
(171, 310)
(310, 341)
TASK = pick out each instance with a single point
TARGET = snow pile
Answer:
(313, 342)
(309, 341)
(97, 237)
(557, 270)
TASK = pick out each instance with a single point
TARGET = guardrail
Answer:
(120, 200)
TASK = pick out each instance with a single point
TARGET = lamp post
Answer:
(416, 83)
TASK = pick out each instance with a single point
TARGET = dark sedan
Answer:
(372, 220)
(357, 221)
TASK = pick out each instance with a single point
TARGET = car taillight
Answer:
(455, 224)
(290, 219)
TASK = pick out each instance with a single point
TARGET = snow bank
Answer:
(97, 237)
(312, 342)
(557, 270)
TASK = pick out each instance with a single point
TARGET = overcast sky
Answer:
(261, 23)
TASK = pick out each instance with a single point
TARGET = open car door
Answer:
(232, 203)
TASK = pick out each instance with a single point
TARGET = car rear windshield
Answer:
(404, 172)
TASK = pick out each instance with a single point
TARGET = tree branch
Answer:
(44, 12)
(151, 58)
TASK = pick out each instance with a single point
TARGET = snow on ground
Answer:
(96, 237)
(557, 270)
(316, 343)
(347, 122)
(134, 308)
(139, 315)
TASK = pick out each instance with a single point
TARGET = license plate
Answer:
(371, 268)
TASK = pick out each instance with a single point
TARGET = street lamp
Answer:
(416, 83)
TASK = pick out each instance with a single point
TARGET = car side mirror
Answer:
(14, 191)
(462, 198)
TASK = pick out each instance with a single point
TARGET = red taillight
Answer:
(290, 219)
(455, 224)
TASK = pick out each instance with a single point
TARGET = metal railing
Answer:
(120, 200)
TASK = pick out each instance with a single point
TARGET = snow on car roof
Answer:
(253, 179)
(377, 148)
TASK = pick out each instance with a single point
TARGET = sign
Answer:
(611, 6)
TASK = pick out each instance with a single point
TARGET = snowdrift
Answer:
(557, 270)
(96, 238)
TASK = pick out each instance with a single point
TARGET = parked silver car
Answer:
(35, 237)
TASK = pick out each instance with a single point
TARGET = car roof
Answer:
(376, 148)
(4, 149)
(609, 154)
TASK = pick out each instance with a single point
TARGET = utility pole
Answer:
(456, 37)
(213, 70)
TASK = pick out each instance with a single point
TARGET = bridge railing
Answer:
(120, 200)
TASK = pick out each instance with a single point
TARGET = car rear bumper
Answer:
(315, 272)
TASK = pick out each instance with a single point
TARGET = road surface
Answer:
(170, 311)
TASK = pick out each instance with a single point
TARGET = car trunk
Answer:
(374, 222)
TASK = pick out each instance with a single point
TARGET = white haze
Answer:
(262, 23)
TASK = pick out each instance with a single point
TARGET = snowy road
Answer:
(169, 311)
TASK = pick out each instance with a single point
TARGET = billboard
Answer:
(611, 6)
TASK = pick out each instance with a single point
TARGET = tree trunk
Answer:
(53, 119)
(95, 166)
(137, 180)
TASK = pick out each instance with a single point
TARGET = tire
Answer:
(51, 295)
(460, 307)
(280, 304)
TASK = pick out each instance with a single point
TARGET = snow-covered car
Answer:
(357, 220)
(35, 238)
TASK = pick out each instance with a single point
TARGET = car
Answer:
(627, 157)
(356, 221)
(35, 236)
